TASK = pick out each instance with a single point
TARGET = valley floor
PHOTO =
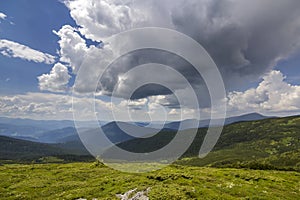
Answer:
(88, 180)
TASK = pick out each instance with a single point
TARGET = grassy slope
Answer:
(269, 143)
(76, 180)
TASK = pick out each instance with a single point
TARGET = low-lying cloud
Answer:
(272, 96)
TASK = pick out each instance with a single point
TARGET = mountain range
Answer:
(64, 131)
(272, 143)
(190, 123)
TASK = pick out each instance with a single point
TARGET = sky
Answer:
(52, 51)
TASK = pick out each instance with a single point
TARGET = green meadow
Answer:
(93, 180)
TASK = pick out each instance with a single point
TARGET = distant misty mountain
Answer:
(36, 134)
(58, 136)
(186, 124)
(21, 131)
(45, 131)
(45, 124)
(117, 132)
(41, 124)
(193, 123)
(246, 117)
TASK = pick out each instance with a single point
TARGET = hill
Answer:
(264, 144)
(16, 150)
(268, 143)
(116, 132)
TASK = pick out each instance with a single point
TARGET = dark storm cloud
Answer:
(111, 77)
(245, 38)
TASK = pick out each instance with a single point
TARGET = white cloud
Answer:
(93, 65)
(36, 105)
(138, 104)
(49, 106)
(72, 47)
(75, 54)
(2, 16)
(16, 50)
(272, 96)
(174, 112)
(57, 80)
(103, 18)
(59, 106)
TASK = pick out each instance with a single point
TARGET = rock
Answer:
(141, 195)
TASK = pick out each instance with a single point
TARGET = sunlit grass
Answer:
(93, 180)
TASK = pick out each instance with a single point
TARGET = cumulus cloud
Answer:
(72, 47)
(16, 50)
(75, 54)
(100, 19)
(57, 80)
(272, 96)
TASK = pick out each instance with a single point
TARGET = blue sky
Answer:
(29, 22)
(249, 77)
(290, 68)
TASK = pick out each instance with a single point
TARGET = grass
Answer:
(91, 180)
